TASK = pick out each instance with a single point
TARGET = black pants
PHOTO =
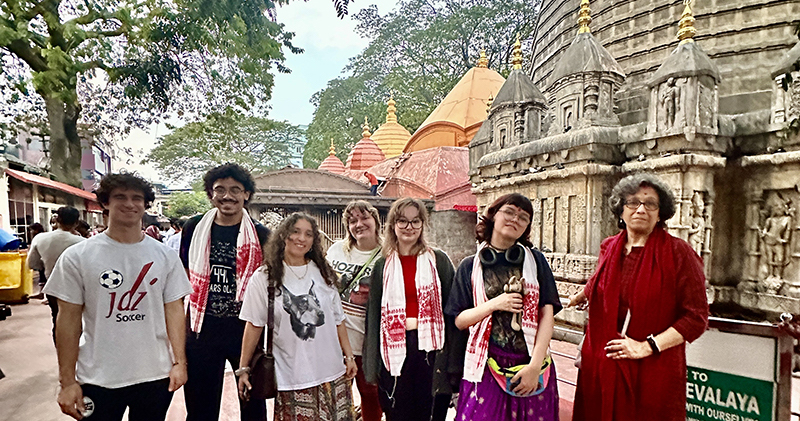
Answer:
(409, 396)
(147, 401)
(219, 340)
(52, 302)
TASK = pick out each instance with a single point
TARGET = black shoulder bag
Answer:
(262, 366)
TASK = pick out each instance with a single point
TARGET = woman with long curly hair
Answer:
(313, 359)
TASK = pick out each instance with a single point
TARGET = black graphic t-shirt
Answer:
(222, 263)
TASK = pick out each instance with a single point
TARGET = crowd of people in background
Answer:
(140, 311)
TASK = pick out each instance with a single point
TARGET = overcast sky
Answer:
(328, 43)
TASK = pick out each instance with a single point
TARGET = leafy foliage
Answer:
(417, 52)
(113, 65)
(258, 144)
(341, 7)
(182, 204)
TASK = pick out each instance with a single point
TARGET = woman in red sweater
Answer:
(646, 300)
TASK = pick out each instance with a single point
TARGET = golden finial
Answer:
(686, 26)
(365, 129)
(391, 117)
(483, 62)
(584, 18)
(516, 58)
(489, 103)
(332, 151)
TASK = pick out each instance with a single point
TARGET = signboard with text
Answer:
(739, 371)
(712, 395)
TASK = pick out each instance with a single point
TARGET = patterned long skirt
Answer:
(486, 401)
(332, 401)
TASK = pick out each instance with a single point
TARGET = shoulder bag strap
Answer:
(270, 316)
(354, 282)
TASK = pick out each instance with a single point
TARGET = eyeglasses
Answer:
(634, 204)
(511, 215)
(220, 191)
(404, 223)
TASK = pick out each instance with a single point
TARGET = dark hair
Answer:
(631, 184)
(229, 170)
(276, 248)
(36, 228)
(83, 225)
(126, 181)
(485, 227)
(390, 241)
(177, 222)
(67, 216)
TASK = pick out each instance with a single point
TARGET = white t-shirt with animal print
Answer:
(307, 311)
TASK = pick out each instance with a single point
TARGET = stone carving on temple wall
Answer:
(698, 221)
(775, 236)
(577, 268)
(670, 104)
(706, 110)
(785, 104)
(794, 100)
(773, 252)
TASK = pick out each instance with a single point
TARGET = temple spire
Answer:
(686, 29)
(391, 117)
(365, 129)
(483, 62)
(584, 18)
(516, 57)
(332, 150)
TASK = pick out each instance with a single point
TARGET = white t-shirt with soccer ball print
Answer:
(123, 289)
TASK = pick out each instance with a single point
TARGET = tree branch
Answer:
(30, 55)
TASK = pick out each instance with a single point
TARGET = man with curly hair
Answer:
(220, 250)
(120, 332)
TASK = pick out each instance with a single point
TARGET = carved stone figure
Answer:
(775, 236)
(670, 102)
(697, 223)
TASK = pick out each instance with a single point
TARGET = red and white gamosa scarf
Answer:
(248, 259)
(430, 323)
(478, 342)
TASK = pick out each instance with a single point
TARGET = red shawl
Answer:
(668, 291)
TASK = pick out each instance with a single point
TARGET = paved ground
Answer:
(28, 393)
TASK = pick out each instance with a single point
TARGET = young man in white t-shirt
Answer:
(120, 332)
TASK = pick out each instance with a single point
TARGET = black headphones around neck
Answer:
(514, 255)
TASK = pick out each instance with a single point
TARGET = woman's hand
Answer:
(578, 300)
(507, 301)
(352, 368)
(244, 387)
(528, 379)
(627, 349)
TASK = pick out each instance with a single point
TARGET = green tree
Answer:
(109, 65)
(186, 204)
(258, 144)
(417, 52)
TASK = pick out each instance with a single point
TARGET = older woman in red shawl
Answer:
(646, 300)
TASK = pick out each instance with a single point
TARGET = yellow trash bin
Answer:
(16, 280)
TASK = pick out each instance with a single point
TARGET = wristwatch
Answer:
(241, 371)
(653, 344)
